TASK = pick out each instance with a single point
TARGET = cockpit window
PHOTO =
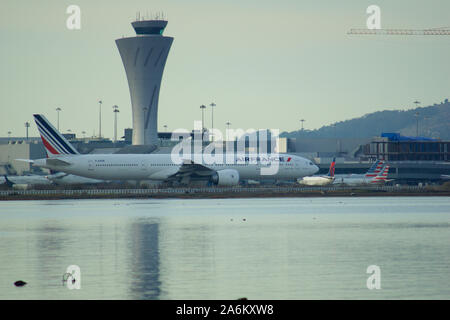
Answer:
(310, 163)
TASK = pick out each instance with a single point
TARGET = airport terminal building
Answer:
(411, 159)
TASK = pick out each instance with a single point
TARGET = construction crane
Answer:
(403, 32)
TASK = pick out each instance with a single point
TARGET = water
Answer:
(304, 248)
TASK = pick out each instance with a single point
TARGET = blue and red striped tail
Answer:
(375, 169)
(382, 175)
(55, 144)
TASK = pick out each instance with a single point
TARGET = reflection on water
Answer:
(226, 248)
(49, 245)
(144, 263)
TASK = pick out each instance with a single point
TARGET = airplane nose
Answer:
(316, 169)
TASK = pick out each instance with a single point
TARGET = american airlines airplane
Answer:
(370, 178)
(373, 171)
(320, 180)
(62, 156)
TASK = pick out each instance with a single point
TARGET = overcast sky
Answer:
(266, 64)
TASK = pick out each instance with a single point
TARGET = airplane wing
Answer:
(190, 169)
(57, 176)
(25, 160)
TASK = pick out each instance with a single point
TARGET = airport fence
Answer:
(203, 190)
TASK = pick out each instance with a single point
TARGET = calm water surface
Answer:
(306, 248)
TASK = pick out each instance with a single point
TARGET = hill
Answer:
(434, 122)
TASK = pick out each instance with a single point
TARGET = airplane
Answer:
(28, 179)
(373, 171)
(367, 179)
(23, 182)
(62, 156)
(320, 180)
(60, 178)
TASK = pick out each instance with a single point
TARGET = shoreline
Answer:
(225, 193)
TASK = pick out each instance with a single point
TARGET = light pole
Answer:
(302, 120)
(203, 107)
(115, 110)
(165, 127)
(27, 125)
(57, 112)
(335, 136)
(417, 123)
(84, 134)
(9, 134)
(228, 123)
(212, 105)
(100, 119)
(417, 103)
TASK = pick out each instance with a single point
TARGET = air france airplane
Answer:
(62, 156)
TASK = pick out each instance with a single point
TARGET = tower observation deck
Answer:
(144, 57)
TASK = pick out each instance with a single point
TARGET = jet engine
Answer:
(226, 177)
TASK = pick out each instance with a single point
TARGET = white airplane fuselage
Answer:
(160, 167)
(356, 180)
(316, 181)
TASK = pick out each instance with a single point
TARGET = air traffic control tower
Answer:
(144, 57)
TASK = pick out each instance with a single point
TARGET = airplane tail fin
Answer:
(8, 182)
(54, 142)
(382, 175)
(375, 169)
(332, 168)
